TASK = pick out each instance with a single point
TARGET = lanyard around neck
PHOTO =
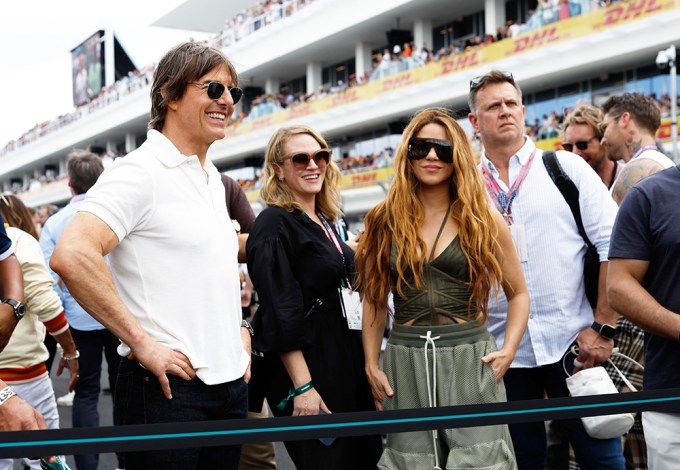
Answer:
(501, 199)
(643, 149)
(331, 235)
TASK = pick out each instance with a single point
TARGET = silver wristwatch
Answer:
(18, 307)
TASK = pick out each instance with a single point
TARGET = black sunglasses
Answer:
(474, 83)
(216, 90)
(581, 144)
(301, 160)
(420, 148)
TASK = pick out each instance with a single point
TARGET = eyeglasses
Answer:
(420, 148)
(581, 144)
(301, 160)
(216, 90)
(474, 83)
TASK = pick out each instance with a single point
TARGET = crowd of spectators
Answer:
(665, 102)
(353, 164)
(134, 81)
(50, 177)
(550, 125)
(392, 61)
(400, 58)
(256, 17)
(348, 164)
(246, 22)
(547, 127)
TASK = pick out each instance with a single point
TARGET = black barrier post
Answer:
(212, 433)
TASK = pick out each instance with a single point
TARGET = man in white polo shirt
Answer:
(173, 292)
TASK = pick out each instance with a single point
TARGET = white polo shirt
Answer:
(175, 267)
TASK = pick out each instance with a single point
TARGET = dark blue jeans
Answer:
(529, 439)
(91, 345)
(139, 399)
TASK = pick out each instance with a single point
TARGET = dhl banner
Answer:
(352, 180)
(384, 175)
(367, 178)
(579, 26)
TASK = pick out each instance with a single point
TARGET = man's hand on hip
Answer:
(161, 360)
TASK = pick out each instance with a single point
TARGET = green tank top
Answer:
(446, 291)
(445, 294)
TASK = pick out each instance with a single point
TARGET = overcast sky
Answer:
(35, 43)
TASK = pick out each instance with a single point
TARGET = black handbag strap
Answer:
(567, 188)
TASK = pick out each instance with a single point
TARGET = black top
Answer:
(237, 204)
(5, 242)
(647, 229)
(294, 267)
(296, 271)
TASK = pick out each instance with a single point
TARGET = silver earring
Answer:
(280, 177)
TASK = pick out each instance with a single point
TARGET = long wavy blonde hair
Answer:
(396, 222)
(277, 192)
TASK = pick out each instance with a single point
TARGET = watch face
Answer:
(608, 331)
(19, 308)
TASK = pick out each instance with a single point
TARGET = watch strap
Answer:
(604, 330)
(18, 307)
(246, 324)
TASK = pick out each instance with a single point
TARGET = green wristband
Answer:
(293, 392)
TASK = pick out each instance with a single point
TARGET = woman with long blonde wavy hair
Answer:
(438, 246)
(309, 357)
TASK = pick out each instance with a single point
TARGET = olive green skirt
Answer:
(444, 368)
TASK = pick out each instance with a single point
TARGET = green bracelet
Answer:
(293, 392)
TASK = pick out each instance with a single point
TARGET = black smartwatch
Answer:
(19, 308)
(606, 331)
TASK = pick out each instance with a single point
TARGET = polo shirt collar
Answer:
(164, 150)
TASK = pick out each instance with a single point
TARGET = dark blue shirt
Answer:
(5, 242)
(647, 229)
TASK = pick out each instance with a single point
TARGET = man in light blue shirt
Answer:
(91, 337)
(552, 252)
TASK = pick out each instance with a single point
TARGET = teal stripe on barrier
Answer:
(329, 426)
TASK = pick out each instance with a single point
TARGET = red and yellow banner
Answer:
(572, 28)
(349, 181)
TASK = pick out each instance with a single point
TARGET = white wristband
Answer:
(5, 394)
